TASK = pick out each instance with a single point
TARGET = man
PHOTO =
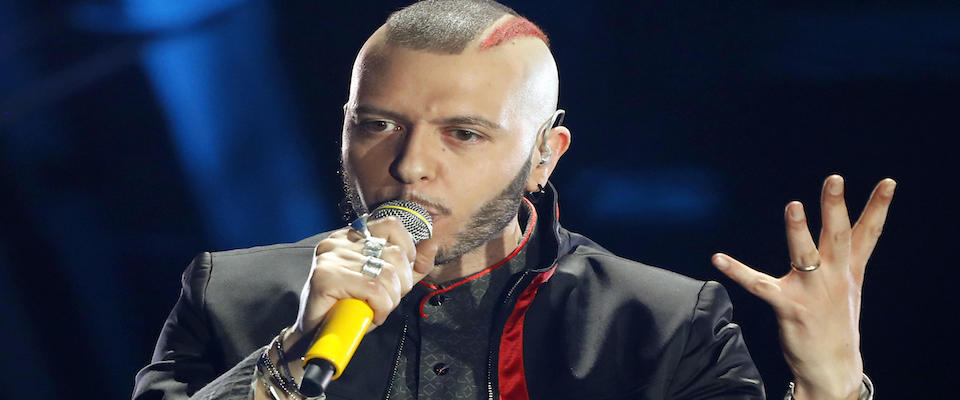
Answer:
(452, 105)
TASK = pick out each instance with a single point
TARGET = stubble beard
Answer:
(485, 224)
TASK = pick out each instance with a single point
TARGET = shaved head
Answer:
(446, 26)
(459, 27)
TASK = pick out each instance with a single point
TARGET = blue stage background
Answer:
(136, 133)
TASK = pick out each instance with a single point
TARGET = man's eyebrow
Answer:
(469, 120)
(475, 120)
(368, 109)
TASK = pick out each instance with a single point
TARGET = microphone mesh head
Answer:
(413, 216)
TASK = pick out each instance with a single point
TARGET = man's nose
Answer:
(417, 156)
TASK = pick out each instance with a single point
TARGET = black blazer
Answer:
(589, 325)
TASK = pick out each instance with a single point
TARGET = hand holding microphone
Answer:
(349, 285)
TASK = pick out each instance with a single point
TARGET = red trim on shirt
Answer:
(531, 225)
(512, 376)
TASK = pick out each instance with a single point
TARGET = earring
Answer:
(538, 195)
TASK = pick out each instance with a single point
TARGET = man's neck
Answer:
(485, 255)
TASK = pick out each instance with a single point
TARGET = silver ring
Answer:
(360, 225)
(806, 268)
(373, 246)
(372, 267)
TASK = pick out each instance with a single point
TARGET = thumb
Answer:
(424, 263)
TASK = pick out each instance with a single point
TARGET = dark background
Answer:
(136, 133)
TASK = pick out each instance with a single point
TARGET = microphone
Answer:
(348, 319)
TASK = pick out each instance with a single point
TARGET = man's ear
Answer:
(546, 155)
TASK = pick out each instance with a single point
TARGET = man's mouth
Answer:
(435, 209)
(434, 214)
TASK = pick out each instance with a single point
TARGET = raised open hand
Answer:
(817, 302)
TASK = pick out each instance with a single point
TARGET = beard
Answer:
(485, 224)
(489, 221)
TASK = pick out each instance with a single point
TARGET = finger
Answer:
(390, 281)
(803, 252)
(345, 279)
(353, 235)
(333, 243)
(835, 233)
(392, 229)
(346, 254)
(388, 274)
(424, 263)
(404, 270)
(356, 285)
(869, 226)
(387, 277)
(331, 281)
(761, 285)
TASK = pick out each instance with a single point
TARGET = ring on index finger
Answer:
(805, 268)
(373, 246)
(372, 267)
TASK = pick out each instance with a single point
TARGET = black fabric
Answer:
(602, 327)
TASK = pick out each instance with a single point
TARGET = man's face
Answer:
(446, 131)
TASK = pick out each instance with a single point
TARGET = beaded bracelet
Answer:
(283, 379)
(268, 383)
(287, 385)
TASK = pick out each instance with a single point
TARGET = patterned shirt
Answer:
(447, 345)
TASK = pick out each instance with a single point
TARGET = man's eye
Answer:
(464, 135)
(379, 126)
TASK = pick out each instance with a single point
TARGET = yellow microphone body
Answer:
(340, 333)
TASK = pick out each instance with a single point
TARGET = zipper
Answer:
(495, 344)
(514, 287)
(396, 361)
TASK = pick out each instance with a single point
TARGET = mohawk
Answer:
(514, 28)
(448, 26)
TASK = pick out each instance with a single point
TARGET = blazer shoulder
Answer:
(309, 242)
(590, 263)
(251, 293)
(600, 280)
(240, 260)
(251, 274)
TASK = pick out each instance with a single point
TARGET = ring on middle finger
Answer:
(805, 267)
(372, 267)
(373, 246)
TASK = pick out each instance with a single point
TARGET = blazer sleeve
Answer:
(182, 362)
(715, 362)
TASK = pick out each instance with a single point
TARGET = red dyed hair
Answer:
(513, 28)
